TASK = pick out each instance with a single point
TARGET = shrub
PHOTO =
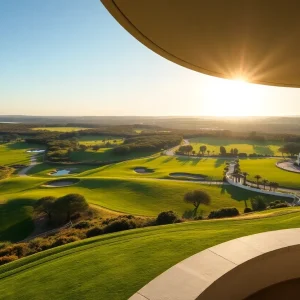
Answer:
(82, 225)
(258, 203)
(223, 212)
(166, 217)
(198, 218)
(62, 240)
(278, 204)
(247, 210)
(94, 232)
(19, 250)
(119, 225)
(7, 259)
(241, 155)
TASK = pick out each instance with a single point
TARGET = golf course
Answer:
(141, 184)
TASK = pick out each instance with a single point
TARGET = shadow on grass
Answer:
(151, 158)
(16, 219)
(219, 162)
(168, 159)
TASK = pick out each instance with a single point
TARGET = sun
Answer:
(232, 98)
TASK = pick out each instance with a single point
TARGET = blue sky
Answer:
(70, 57)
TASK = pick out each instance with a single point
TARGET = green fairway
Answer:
(244, 146)
(267, 169)
(15, 153)
(16, 220)
(97, 268)
(99, 140)
(60, 129)
(147, 197)
(163, 166)
(104, 154)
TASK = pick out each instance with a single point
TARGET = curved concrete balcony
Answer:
(232, 270)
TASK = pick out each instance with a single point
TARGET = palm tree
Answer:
(245, 177)
(264, 182)
(257, 177)
(271, 185)
(275, 186)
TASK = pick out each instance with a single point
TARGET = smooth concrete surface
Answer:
(255, 40)
(281, 291)
(232, 270)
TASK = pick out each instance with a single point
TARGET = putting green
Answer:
(267, 169)
(162, 167)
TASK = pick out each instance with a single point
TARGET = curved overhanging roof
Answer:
(256, 40)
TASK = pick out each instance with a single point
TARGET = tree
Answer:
(235, 151)
(193, 152)
(196, 198)
(46, 205)
(282, 150)
(264, 182)
(245, 174)
(208, 151)
(70, 204)
(189, 149)
(222, 150)
(273, 185)
(257, 177)
(203, 149)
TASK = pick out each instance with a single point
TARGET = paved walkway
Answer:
(33, 162)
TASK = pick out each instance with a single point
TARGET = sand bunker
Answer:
(143, 170)
(36, 151)
(61, 183)
(188, 176)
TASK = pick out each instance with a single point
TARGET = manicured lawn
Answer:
(115, 266)
(267, 169)
(15, 153)
(213, 144)
(163, 166)
(60, 129)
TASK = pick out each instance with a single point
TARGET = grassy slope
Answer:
(136, 196)
(115, 266)
(147, 197)
(213, 144)
(268, 170)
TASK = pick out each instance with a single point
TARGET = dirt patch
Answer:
(143, 170)
(188, 176)
(61, 183)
